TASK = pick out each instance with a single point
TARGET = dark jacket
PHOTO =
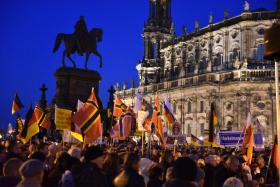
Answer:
(9, 181)
(88, 175)
(28, 183)
(221, 175)
(209, 175)
(129, 178)
(154, 183)
(180, 183)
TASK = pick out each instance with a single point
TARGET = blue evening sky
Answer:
(28, 29)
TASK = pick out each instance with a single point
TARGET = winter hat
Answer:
(93, 153)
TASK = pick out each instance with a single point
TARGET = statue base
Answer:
(73, 84)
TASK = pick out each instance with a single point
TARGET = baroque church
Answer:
(221, 63)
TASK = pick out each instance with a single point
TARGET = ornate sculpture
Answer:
(196, 25)
(210, 18)
(226, 13)
(246, 6)
(81, 41)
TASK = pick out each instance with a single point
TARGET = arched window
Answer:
(260, 52)
(189, 107)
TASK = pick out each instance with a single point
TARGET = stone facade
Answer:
(221, 63)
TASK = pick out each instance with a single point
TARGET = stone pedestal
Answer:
(73, 84)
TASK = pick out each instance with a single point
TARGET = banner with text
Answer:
(63, 119)
(231, 138)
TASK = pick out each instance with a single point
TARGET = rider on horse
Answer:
(81, 33)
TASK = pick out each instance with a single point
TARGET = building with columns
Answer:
(221, 63)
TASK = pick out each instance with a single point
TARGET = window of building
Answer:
(189, 107)
(260, 52)
(201, 106)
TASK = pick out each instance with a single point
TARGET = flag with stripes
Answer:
(156, 120)
(17, 104)
(119, 107)
(42, 117)
(127, 121)
(30, 126)
(213, 122)
(89, 120)
(168, 113)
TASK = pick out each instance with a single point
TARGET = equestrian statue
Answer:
(81, 41)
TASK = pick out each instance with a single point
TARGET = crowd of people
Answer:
(50, 164)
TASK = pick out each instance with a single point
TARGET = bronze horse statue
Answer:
(71, 45)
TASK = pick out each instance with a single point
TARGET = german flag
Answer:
(156, 120)
(89, 120)
(168, 114)
(42, 117)
(17, 104)
(212, 123)
(248, 132)
(119, 107)
(30, 126)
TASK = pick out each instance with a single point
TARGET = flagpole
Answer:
(277, 107)
(143, 143)
(237, 145)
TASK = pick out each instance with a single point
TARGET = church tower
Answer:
(157, 29)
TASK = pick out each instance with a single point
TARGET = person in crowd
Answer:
(166, 161)
(10, 176)
(200, 177)
(229, 169)
(169, 175)
(75, 152)
(210, 168)
(144, 167)
(31, 149)
(89, 173)
(246, 175)
(42, 147)
(64, 162)
(31, 172)
(156, 176)
(50, 160)
(184, 173)
(233, 182)
(129, 177)
(111, 167)
(13, 149)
